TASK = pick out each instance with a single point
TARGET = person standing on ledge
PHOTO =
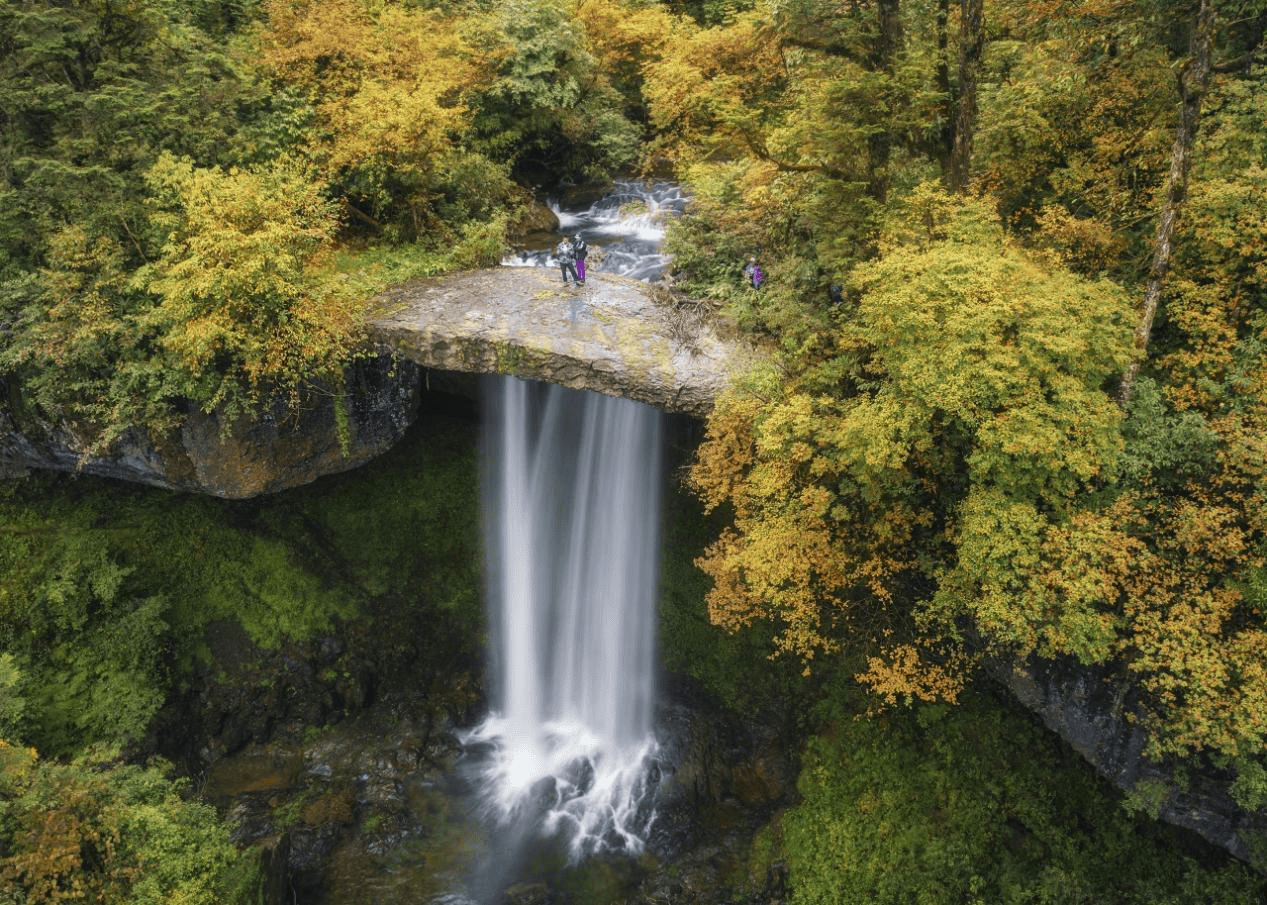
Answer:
(752, 271)
(581, 251)
(566, 253)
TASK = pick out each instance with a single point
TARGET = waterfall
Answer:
(572, 498)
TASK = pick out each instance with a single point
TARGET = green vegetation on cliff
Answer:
(115, 601)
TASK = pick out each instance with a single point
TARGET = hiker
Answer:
(582, 252)
(753, 272)
(566, 253)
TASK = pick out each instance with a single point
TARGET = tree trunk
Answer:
(946, 136)
(880, 145)
(971, 44)
(1194, 80)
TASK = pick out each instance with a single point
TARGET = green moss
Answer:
(979, 804)
(736, 667)
(106, 588)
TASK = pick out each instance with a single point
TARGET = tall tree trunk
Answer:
(971, 44)
(1194, 80)
(880, 145)
(942, 148)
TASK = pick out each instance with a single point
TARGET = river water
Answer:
(624, 229)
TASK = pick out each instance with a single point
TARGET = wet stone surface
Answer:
(374, 810)
(613, 335)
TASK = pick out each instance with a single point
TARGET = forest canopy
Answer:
(1015, 258)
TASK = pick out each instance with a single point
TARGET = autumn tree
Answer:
(548, 108)
(389, 88)
(917, 473)
(243, 312)
(95, 830)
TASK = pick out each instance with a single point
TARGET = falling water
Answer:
(574, 507)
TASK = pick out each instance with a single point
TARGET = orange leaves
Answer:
(806, 552)
(726, 453)
(58, 850)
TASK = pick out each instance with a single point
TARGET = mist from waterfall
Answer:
(573, 506)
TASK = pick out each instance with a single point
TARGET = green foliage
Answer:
(93, 92)
(377, 267)
(91, 648)
(977, 804)
(481, 244)
(1249, 789)
(94, 830)
(547, 108)
(106, 589)
(12, 702)
(1167, 447)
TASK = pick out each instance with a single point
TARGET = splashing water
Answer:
(627, 224)
(573, 527)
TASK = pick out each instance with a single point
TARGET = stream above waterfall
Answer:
(624, 228)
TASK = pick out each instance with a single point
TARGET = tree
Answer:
(91, 93)
(949, 438)
(390, 87)
(97, 831)
(1194, 80)
(243, 313)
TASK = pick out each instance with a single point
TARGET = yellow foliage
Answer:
(386, 80)
(903, 676)
(624, 37)
(712, 89)
(238, 283)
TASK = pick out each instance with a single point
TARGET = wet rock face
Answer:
(610, 336)
(1094, 713)
(279, 450)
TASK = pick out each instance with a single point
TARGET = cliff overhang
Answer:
(616, 336)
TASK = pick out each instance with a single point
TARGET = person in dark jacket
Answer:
(566, 255)
(581, 250)
(752, 270)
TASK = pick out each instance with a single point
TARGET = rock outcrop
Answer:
(1096, 714)
(610, 336)
(283, 448)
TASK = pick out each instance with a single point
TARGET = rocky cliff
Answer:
(611, 336)
(1098, 715)
(283, 448)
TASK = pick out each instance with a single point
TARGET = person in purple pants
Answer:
(581, 250)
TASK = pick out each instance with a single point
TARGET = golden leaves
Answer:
(902, 676)
(237, 287)
(386, 81)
